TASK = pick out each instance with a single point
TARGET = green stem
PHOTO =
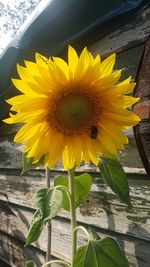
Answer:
(73, 213)
(49, 226)
(83, 230)
(63, 188)
(57, 261)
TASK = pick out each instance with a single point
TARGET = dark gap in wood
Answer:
(21, 243)
(56, 172)
(67, 220)
(4, 263)
(104, 231)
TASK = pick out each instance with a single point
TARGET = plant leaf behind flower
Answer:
(30, 264)
(82, 184)
(115, 177)
(100, 253)
(49, 203)
(28, 163)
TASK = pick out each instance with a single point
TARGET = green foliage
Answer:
(82, 184)
(49, 203)
(36, 228)
(115, 177)
(96, 252)
(93, 235)
(28, 163)
(100, 253)
(30, 264)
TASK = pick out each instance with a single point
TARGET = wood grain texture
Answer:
(13, 252)
(130, 33)
(102, 210)
(16, 226)
(19, 191)
(11, 154)
(12, 249)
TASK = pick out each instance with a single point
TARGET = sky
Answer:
(13, 13)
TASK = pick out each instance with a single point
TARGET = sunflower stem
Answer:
(57, 261)
(73, 213)
(49, 226)
(83, 230)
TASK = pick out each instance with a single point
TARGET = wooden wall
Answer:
(102, 210)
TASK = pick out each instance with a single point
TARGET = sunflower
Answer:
(76, 111)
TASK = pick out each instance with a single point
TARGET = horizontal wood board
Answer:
(131, 32)
(11, 154)
(102, 210)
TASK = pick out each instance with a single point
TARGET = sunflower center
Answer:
(74, 112)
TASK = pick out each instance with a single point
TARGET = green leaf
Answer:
(36, 228)
(49, 203)
(28, 163)
(63, 180)
(93, 234)
(85, 257)
(115, 177)
(30, 264)
(109, 253)
(55, 204)
(100, 253)
(41, 199)
(82, 184)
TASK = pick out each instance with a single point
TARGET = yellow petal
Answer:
(62, 65)
(107, 143)
(125, 118)
(41, 60)
(72, 59)
(107, 65)
(23, 87)
(57, 75)
(126, 101)
(24, 73)
(31, 66)
(78, 153)
(84, 62)
(55, 149)
(97, 59)
(105, 84)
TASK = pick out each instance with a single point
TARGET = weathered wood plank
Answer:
(12, 250)
(128, 61)
(11, 154)
(128, 34)
(102, 209)
(17, 224)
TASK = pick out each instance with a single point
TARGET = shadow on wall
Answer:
(12, 241)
